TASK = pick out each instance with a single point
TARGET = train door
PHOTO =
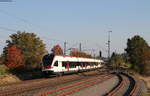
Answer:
(73, 66)
(68, 66)
(86, 63)
(82, 65)
(57, 66)
(78, 66)
(60, 66)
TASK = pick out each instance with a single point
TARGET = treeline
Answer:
(57, 50)
(24, 52)
(136, 56)
(78, 53)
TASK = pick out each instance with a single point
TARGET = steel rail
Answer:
(133, 89)
(45, 84)
(85, 83)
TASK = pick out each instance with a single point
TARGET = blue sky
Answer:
(75, 21)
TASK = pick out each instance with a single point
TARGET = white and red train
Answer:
(56, 64)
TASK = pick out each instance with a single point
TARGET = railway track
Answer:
(133, 89)
(75, 83)
(75, 87)
(43, 83)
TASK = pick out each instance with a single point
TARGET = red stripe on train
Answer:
(48, 67)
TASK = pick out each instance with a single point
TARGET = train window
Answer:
(79, 63)
(73, 64)
(64, 64)
(92, 63)
(102, 63)
(48, 59)
(56, 63)
(84, 64)
(96, 63)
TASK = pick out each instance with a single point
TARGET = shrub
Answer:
(3, 70)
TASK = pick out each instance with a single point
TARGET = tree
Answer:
(31, 46)
(117, 60)
(57, 50)
(15, 60)
(77, 53)
(137, 48)
(146, 63)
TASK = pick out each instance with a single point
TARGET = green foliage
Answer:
(31, 47)
(128, 65)
(117, 60)
(139, 53)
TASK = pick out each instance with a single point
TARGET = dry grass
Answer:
(8, 79)
(145, 94)
(147, 81)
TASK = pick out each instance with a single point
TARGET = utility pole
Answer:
(80, 47)
(93, 52)
(109, 44)
(100, 54)
(65, 43)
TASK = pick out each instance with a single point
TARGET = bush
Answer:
(3, 70)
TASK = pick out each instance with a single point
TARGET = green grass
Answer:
(3, 70)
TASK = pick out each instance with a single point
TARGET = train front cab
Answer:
(47, 61)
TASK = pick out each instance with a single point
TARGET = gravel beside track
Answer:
(99, 89)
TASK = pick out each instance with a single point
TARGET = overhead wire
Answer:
(30, 23)
(20, 19)
(25, 21)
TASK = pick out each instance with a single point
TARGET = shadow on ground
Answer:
(30, 75)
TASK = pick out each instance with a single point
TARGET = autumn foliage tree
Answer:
(31, 46)
(77, 53)
(15, 60)
(57, 50)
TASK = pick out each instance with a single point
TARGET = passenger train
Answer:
(57, 64)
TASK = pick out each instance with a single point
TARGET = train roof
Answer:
(72, 58)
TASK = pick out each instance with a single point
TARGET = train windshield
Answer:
(48, 59)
